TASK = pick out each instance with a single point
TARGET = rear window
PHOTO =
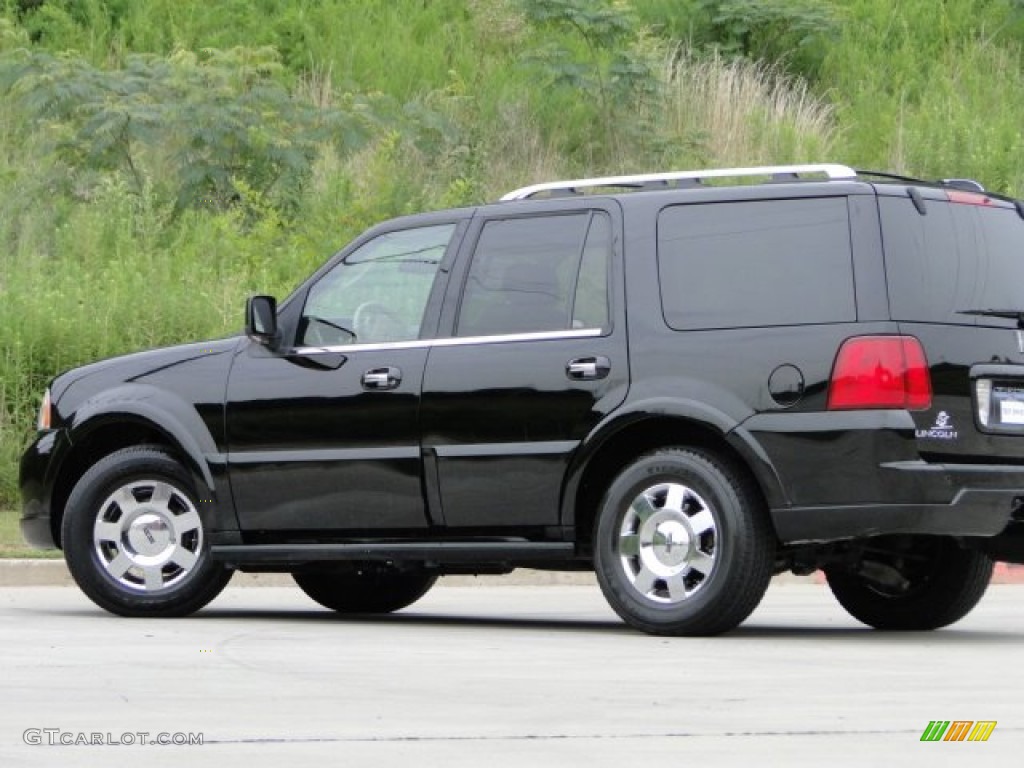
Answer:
(755, 264)
(955, 258)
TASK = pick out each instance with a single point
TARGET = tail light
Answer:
(967, 198)
(880, 372)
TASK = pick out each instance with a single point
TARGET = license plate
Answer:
(1007, 405)
(999, 402)
(1011, 411)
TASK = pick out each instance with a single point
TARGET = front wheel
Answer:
(682, 544)
(133, 538)
(366, 587)
(912, 583)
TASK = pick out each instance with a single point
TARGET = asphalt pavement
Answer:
(498, 676)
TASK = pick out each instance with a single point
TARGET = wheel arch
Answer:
(621, 441)
(97, 430)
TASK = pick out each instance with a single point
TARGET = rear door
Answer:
(956, 282)
(535, 356)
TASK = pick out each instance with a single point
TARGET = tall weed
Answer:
(730, 112)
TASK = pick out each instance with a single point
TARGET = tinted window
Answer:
(378, 292)
(590, 309)
(957, 257)
(545, 273)
(761, 263)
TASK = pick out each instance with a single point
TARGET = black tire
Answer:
(139, 508)
(941, 583)
(366, 587)
(722, 575)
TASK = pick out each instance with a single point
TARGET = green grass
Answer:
(474, 100)
(932, 88)
(11, 543)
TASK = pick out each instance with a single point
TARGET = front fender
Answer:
(177, 419)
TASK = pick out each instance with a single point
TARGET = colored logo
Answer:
(958, 730)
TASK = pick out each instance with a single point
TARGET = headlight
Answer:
(43, 422)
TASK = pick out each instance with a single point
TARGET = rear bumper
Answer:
(1007, 547)
(983, 500)
(36, 482)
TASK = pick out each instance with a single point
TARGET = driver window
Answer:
(377, 293)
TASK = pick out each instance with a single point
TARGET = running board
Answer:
(434, 552)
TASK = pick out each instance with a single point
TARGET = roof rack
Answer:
(661, 180)
(967, 184)
(890, 176)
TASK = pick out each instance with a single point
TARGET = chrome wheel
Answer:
(682, 543)
(148, 536)
(668, 543)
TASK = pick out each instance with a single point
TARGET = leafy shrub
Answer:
(607, 62)
(793, 34)
(195, 127)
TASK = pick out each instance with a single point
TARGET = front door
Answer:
(323, 433)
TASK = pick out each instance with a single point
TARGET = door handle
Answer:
(588, 368)
(377, 379)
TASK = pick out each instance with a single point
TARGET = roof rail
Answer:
(891, 176)
(967, 184)
(781, 172)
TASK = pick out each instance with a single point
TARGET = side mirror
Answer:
(261, 319)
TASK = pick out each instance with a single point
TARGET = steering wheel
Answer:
(373, 322)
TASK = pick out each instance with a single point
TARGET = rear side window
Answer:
(754, 264)
(541, 273)
(954, 259)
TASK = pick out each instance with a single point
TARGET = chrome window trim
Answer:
(454, 341)
(482, 450)
(325, 455)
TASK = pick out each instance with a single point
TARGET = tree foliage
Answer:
(192, 124)
(610, 64)
(795, 34)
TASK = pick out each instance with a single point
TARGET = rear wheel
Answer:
(682, 544)
(366, 587)
(912, 583)
(134, 540)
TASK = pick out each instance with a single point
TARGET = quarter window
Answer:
(756, 263)
(546, 273)
(590, 309)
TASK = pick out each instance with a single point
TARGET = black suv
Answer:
(684, 382)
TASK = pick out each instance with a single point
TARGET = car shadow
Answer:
(755, 629)
(412, 618)
(752, 631)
